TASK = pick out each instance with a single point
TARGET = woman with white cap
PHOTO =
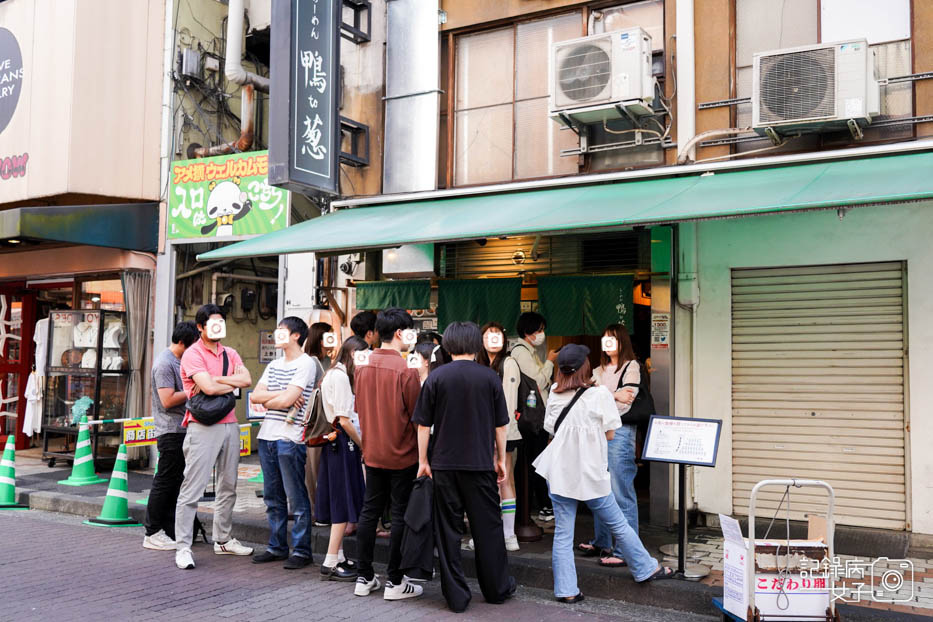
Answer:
(582, 418)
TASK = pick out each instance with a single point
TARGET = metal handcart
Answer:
(773, 594)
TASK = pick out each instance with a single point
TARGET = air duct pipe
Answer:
(412, 103)
(233, 63)
(686, 80)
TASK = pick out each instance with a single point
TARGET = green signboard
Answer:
(225, 196)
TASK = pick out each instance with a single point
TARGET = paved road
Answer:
(54, 568)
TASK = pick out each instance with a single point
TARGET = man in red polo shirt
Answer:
(202, 370)
(386, 394)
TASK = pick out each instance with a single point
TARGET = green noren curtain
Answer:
(480, 301)
(585, 305)
(385, 294)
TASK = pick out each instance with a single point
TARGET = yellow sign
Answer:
(244, 442)
(139, 433)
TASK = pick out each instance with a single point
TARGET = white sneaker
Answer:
(364, 587)
(402, 591)
(159, 542)
(467, 546)
(232, 547)
(511, 543)
(183, 559)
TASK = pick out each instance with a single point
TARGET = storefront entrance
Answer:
(17, 316)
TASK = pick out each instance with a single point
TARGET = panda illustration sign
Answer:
(225, 197)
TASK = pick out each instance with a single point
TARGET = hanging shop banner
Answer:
(139, 433)
(304, 130)
(585, 305)
(479, 301)
(226, 196)
(245, 449)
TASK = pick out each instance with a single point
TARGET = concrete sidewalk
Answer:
(37, 485)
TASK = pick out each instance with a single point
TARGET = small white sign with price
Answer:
(682, 440)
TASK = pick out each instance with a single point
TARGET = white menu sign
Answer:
(682, 440)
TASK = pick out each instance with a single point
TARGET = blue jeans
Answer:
(283, 473)
(640, 562)
(622, 471)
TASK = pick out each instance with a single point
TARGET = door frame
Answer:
(27, 351)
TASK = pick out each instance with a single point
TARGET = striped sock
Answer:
(508, 517)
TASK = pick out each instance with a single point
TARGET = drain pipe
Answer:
(686, 80)
(247, 128)
(233, 63)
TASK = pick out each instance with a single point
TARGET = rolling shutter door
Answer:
(818, 389)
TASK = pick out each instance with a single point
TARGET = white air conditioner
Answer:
(814, 88)
(601, 77)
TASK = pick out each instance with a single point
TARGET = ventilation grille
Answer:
(797, 86)
(584, 71)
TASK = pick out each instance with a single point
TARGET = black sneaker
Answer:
(268, 556)
(546, 515)
(295, 562)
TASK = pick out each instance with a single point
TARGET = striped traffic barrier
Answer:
(116, 512)
(82, 471)
(8, 478)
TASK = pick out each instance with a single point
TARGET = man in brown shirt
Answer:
(386, 394)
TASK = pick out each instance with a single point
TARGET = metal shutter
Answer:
(818, 388)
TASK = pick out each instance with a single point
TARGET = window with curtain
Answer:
(501, 125)
(764, 25)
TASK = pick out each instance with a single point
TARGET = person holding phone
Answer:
(202, 370)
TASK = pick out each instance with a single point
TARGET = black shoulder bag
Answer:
(567, 408)
(209, 409)
(643, 406)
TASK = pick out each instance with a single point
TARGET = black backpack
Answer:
(643, 406)
(531, 407)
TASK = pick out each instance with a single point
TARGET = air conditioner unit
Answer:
(815, 88)
(601, 77)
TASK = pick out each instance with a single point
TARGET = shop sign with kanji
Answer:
(304, 140)
(226, 197)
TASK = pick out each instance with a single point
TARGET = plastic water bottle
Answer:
(532, 400)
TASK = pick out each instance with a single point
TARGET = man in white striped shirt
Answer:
(285, 392)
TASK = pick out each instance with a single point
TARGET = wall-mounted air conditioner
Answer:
(815, 88)
(601, 77)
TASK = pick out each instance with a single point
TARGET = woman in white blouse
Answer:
(495, 355)
(340, 489)
(575, 464)
(620, 373)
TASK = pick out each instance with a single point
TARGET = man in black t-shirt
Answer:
(464, 402)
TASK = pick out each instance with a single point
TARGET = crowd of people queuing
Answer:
(434, 413)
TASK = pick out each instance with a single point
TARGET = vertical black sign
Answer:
(304, 141)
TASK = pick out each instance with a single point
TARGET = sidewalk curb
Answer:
(593, 580)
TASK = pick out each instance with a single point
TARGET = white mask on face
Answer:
(539, 339)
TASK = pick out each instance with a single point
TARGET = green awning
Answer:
(585, 305)
(480, 301)
(883, 179)
(414, 294)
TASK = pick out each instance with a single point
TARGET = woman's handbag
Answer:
(643, 406)
(209, 409)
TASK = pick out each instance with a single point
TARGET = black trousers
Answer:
(528, 450)
(384, 487)
(476, 494)
(160, 512)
